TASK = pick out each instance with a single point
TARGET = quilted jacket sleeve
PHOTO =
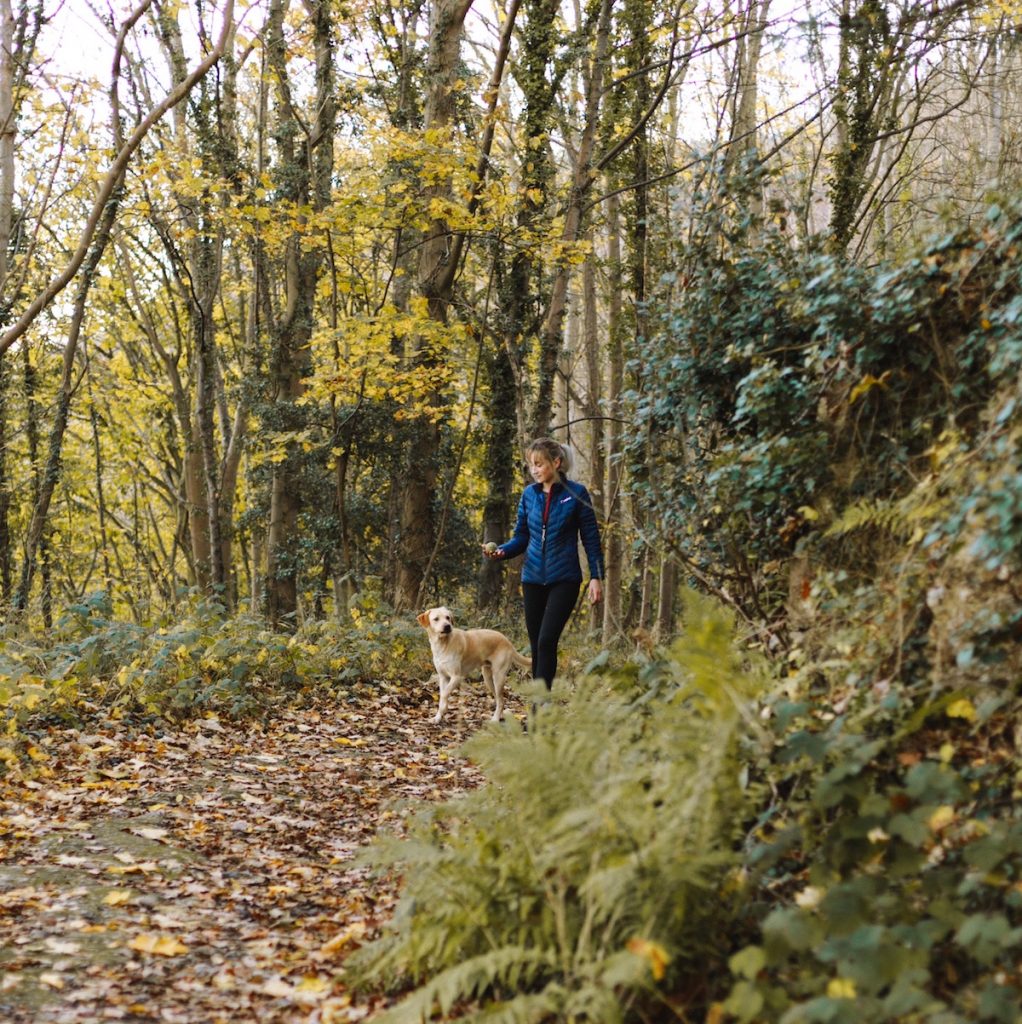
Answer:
(589, 531)
(520, 539)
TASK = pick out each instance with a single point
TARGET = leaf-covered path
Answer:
(207, 874)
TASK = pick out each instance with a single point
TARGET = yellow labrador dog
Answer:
(459, 653)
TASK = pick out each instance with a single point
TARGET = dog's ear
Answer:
(423, 619)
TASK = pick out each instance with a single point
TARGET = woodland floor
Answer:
(207, 874)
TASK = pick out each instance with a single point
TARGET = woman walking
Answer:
(553, 513)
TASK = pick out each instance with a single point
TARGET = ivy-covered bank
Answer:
(807, 810)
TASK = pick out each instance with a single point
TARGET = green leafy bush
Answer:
(784, 385)
(587, 879)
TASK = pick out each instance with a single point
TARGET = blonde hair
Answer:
(553, 450)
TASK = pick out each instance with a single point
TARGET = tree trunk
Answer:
(8, 60)
(303, 172)
(591, 345)
(553, 324)
(435, 283)
(516, 292)
(6, 567)
(664, 628)
(499, 469)
(750, 29)
(864, 76)
(613, 545)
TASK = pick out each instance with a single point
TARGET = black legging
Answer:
(547, 610)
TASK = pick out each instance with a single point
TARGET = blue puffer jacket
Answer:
(551, 556)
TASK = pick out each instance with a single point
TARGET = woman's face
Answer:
(543, 470)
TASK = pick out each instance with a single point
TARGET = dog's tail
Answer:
(520, 660)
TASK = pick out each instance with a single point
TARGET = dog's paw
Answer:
(437, 717)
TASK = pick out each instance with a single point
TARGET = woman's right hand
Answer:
(491, 551)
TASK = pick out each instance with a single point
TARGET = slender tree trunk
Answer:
(553, 324)
(435, 283)
(7, 140)
(97, 455)
(664, 628)
(864, 79)
(304, 173)
(6, 567)
(613, 545)
(516, 293)
(591, 335)
(750, 30)
(638, 245)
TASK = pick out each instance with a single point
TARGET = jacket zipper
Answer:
(546, 516)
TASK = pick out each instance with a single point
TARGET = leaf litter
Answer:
(206, 874)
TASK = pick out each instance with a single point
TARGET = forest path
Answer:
(206, 874)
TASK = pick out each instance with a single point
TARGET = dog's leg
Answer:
(447, 687)
(494, 676)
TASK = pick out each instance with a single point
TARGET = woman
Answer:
(552, 514)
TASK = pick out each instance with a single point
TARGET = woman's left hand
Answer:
(595, 591)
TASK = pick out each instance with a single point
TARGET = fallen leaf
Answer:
(162, 945)
(152, 833)
(62, 946)
(115, 897)
(354, 933)
(278, 988)
(68, 861)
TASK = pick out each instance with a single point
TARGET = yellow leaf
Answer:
(314, 985)
(841, 988)
(352, 934)
(962, 708)
(808, 513)
(867, 384)
(115, 897)
(941, 818)
(653, 952)
(161, 945)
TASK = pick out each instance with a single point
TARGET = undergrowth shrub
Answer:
(886, 883)
(203, 662)
(587, 880)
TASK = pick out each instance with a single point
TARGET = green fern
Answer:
(511, 966)
(902, 518)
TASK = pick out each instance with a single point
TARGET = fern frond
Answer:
(469, 980)
(522, 1009)
(873, 513)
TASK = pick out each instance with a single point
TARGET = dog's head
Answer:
(437, 621)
